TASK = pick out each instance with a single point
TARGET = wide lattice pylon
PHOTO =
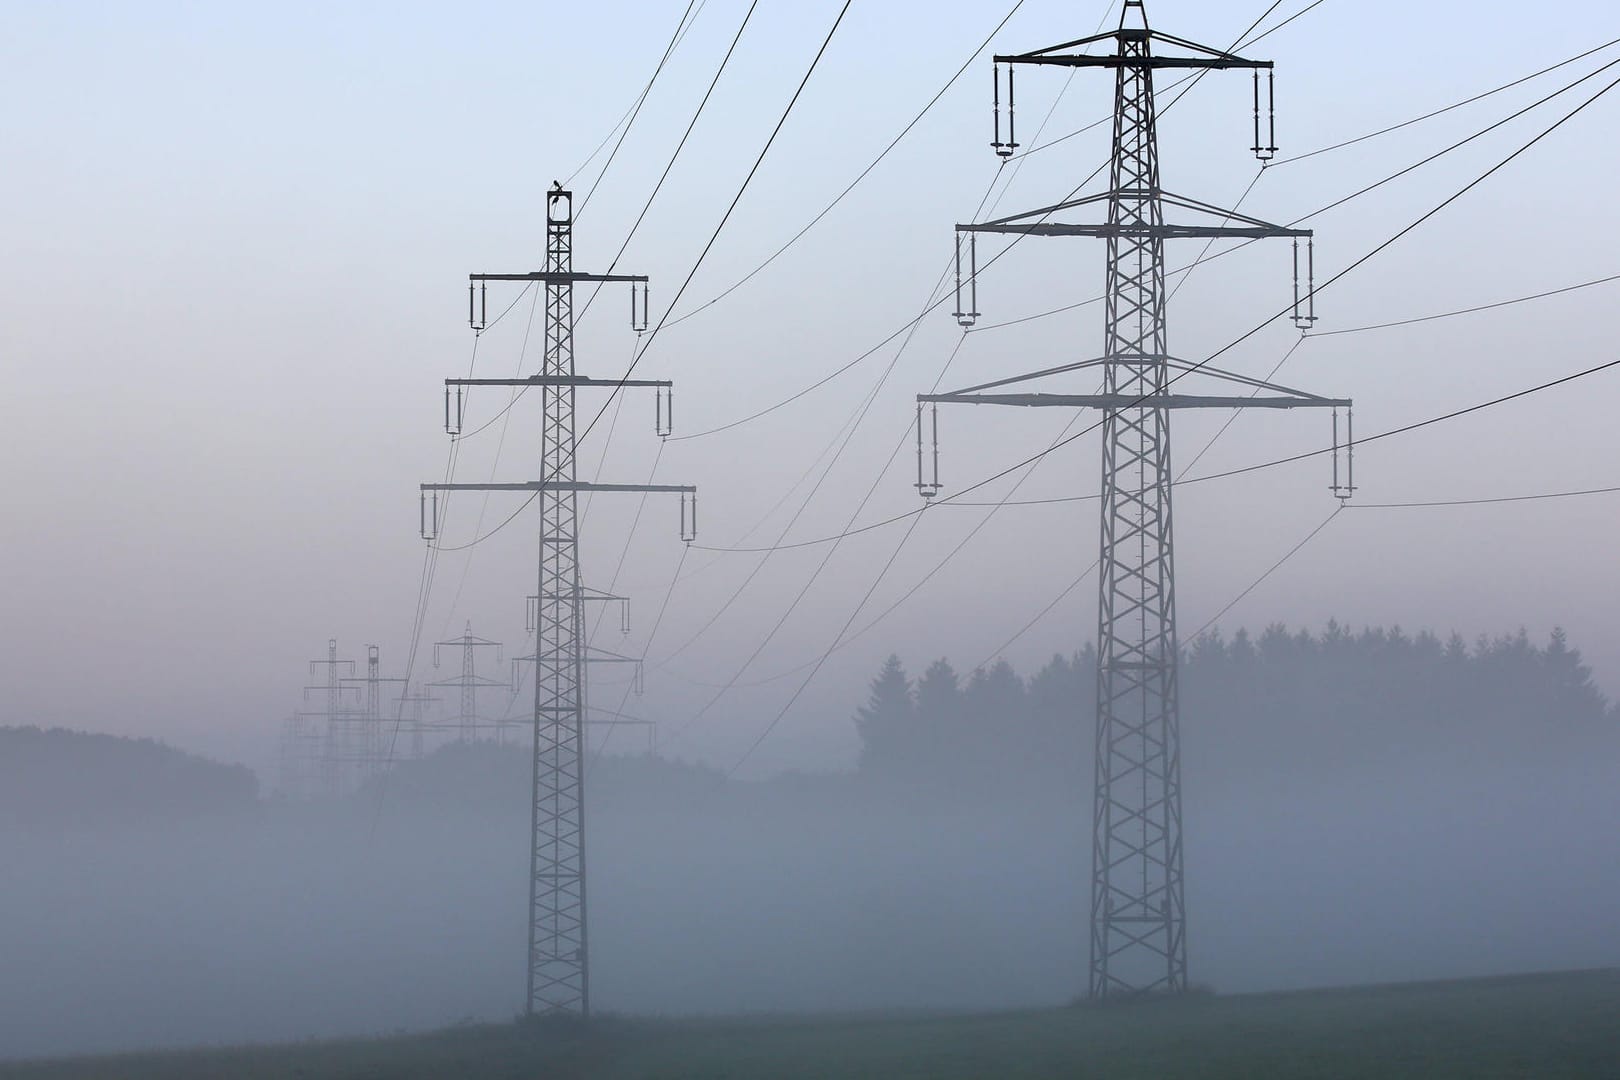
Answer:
(1138, 939)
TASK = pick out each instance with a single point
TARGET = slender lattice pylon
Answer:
(558, 970)
(1138, 909)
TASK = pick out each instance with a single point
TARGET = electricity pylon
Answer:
(298, 752)
(468, 721)
(593, 655)
(366, 750)
(558, 971)
(418, 701)
(336, 717)
(1138, 915)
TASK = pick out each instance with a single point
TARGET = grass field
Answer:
(1535, 1026)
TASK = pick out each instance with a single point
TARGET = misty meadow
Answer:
(1365, 806)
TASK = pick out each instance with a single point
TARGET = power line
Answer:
(652, 337)
(1410, 427)
(1191, 369)
(505, 411)
(1391, 433)
(851, 425)
(688, 17)
(1444, 109)
(1243, 42)
(822, 659)
(424, 589)
(982, 270)
(862, 175)
(1486, 501)
(1232, 419)
(687, 134)
(810, 582)
(902, 329)
(848, 434)
(1320, 210)
(858, 416)
(917, 516)
(635, 104)
(636, 111)
(724, 62)
(1467, 310)
(1273, 568)
(1087, 572)
(651, 635)
(1470, 138)
(1041, 614)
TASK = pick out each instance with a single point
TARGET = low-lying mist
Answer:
(1358, 808)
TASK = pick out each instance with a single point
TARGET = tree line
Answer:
(1327, 702)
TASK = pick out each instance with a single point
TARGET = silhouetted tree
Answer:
(1287, 703)
(886, 723)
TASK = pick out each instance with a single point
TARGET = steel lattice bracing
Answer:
(558, 975)
(557, 963)
(468, 721)
(335, 734)
(1138, 910)
(1138, 941)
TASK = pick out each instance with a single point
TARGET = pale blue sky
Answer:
(237, 238)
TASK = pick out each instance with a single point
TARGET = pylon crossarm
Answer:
(1059, 55)
(469, 680)
(1137, 62)
(557, 278)
(594, 655)
(586, 595)
(1077, 43)
(564, 485)
(1039, 212)
(1198, 367)
(1044, 372)
(1172, 199)
(1145, 401)
(560, 380)
(608, 656)
(1137, 230)
(328, 688)
(1188, 366)
(429, 496)
(456, 395)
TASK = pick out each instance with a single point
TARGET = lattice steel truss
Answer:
(336, 722)
(558, 970)
(1138, 916)
(468, 721)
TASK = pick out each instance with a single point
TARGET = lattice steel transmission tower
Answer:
(297, 754)
(418, 701)
(333, 734)
(1138, 914)
(468, 721)
(593, 654)
(558, 967)
(366, 750)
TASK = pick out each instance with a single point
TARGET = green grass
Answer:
(1537, 1026)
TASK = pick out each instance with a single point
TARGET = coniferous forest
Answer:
(1336, 702)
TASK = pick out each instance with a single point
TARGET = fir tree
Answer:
(885, 723)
